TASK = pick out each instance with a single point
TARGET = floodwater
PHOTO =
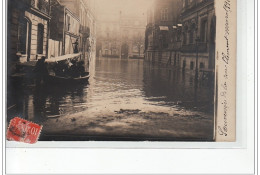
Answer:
(125, 99)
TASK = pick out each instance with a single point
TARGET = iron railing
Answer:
(41, 5)
(202, 47)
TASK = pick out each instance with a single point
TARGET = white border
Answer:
(241, 111)
(153, 161)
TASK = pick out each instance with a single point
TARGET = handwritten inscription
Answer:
(223, 128)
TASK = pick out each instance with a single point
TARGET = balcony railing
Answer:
(202, 47)
(42, 5)
(194, 4)
(85, 31)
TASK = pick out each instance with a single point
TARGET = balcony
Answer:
(194, 4)
(191, 48)
(41, 5)
(85, 31)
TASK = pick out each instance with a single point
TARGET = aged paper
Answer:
(226, 11)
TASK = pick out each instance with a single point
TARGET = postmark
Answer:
(23, 131)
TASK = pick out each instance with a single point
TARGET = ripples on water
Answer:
(114, 83)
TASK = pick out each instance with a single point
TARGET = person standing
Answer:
(41, 71)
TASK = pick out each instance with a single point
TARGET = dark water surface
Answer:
(124, 99)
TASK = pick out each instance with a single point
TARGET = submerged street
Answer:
(125, 99)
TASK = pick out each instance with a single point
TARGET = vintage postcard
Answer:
(122, 70)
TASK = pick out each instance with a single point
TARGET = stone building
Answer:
(73, 29)
(198, 35)
(75, 21)
(132, 35)
(64, 30)
(163, 32)
(108, 28)
(27, 38)
(121, 34)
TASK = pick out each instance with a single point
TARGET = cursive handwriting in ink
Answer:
(223, 129)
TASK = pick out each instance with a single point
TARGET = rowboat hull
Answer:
(68, 80)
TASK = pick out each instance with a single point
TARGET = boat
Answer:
(68, 80)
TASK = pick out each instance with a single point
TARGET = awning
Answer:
(63, 57)
(164, 28)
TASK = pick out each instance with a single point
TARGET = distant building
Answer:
(121, 35)
(108, 29)
(163, 32)
(27, 30)
(132, 39)
(198, 38)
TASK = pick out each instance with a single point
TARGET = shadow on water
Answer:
(38, 103)
(172, 86)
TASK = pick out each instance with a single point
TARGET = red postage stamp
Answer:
(23, 131)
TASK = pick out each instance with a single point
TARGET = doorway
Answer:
(124, 50)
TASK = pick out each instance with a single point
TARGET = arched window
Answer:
(40, 36)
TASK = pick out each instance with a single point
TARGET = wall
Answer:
(14, 15)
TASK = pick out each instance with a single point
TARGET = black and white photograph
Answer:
(113, 70)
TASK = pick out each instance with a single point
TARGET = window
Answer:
(40, 39)
(184, 64)
(22, 36)
(164, 39)
(68, 23)
(191, 65)
(203, 30)
(164, 14)
(178, 35)
(191, 37)
(184, 38)
(186, 3)
(202, 65)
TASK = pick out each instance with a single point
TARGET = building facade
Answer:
(163, 32)
(27, 38)
(73, 29)
(79, 25)
(121, 35)
(132, 35)
(108, 44)
(198, 35)
(181, 33)
(64, 30)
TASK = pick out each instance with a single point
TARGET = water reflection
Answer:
(38, 103)
(115, 85)
(177, 87)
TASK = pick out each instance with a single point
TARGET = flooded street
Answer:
(125, 99)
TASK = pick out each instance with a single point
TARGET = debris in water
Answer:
(128, 111)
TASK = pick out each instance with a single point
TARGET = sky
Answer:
(129, 7)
